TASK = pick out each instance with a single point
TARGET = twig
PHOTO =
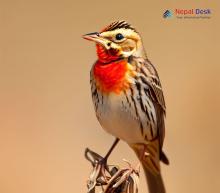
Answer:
(110, 178)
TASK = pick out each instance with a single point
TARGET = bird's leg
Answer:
(103, 162)
(111, 149)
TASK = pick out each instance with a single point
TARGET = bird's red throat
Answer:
(110, 72)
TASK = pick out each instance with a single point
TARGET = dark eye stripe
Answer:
(119, 36)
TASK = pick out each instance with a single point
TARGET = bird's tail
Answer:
(154, 181)
(149, 155)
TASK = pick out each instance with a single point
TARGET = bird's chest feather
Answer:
(110, 86)
(118, 118)
(113, 111)
(112, 77)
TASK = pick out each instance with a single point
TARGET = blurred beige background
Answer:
(46, 112)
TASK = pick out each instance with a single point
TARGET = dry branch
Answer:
(110, 178)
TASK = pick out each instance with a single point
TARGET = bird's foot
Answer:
(101, 173)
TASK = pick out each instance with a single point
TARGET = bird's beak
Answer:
(95, 37)
(91, 36)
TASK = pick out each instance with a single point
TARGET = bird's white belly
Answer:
(118, 118)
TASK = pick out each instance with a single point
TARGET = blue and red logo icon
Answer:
(167, 14)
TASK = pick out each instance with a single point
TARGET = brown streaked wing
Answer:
(158, 98)
(151, 79)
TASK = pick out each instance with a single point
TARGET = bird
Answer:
(128, 98)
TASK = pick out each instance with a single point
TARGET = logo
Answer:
(194, 13)
(167, 14)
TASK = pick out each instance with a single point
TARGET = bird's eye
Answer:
(119, 36)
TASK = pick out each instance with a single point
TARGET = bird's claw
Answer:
(100, 173)
(111, 178)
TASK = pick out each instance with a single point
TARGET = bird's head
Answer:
(117, 41)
